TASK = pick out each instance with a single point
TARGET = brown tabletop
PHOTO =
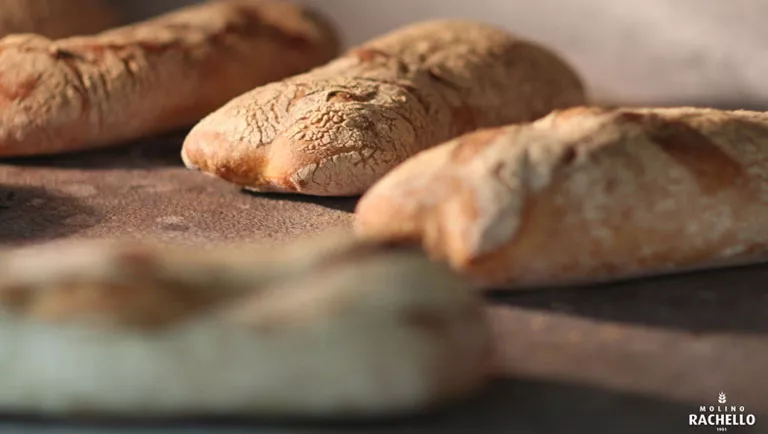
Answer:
(637, 356)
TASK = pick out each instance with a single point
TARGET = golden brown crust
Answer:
(338, 128)
(111, 284)
(56, 18)
(147, 286)
(586, 194)
(146, 305)
(161, 74)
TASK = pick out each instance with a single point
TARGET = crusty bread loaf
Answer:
(169, 72)
(337, 129)
(56, 18)
(323, 328)
(586, 194)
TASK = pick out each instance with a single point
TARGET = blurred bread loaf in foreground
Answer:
(56, 18)
(331, 327)
(585, 195)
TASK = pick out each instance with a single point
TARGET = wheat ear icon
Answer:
(721, 398)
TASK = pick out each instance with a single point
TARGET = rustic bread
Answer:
(165, 73)
(585, 195)
(324, 328)
(56, 18)
(337, 129)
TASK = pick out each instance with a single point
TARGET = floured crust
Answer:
(586, 194)
(56, 18)
(335, 130)
(84, 92)
(323, 328)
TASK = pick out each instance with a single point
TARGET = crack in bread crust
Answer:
(713, 169)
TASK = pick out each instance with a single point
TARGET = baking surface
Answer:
(634, 357)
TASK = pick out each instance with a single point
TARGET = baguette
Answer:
(86, 92)
(56, 18)
(337, 129)
(323, 328)
(585, 195)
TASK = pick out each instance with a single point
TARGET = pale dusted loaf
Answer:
(323, 328)
(337, 129)
(585, 195)
(165, 73)
(56, 18)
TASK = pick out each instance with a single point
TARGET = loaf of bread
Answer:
(165, 73)
(324, 328)
(337, 129)
(56, 18)
(585, 195)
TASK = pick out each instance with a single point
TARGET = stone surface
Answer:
(143, 191)
(634, 357)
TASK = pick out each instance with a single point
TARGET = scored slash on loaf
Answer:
(165, 73)
(584, 195)
(321, 328)
(337, 129)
